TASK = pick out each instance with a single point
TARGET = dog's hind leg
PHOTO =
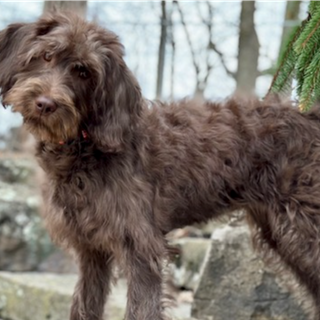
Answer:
(306, 266)
(298, 243)
(93, 285)
(292, 232)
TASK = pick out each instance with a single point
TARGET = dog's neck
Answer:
(84, 135)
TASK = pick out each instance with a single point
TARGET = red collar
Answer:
(84, 134)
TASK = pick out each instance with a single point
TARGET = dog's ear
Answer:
(47, 22)
(11, 40)
(117, 102)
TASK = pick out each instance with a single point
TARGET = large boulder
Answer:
(23, 241)
(25, 296)
(235, 284)
(41, 296)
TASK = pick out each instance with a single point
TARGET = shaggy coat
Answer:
(122, 172)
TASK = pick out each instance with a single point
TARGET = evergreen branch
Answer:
(302, 55)
(312, 6)
(304, 60)
(309, 94)
(308, 32)
(287, 64)
(310, 43)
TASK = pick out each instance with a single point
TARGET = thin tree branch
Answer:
(193, 54)
(214, 48)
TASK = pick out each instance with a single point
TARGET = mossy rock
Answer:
(43, 296)
(46, 296)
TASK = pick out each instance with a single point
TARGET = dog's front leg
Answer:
(93, 285)
(144, 273)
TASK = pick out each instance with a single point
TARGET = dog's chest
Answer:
(77, 191)
(88, 204)
(95, 204)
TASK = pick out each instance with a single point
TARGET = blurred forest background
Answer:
(183, 49)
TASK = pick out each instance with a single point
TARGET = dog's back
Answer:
(206, 160)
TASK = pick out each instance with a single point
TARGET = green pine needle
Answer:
(305, 58)
(308, 35)
(282, 80)
(310, 91)
(301, 61)
(313, 5)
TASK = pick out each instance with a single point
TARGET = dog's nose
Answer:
(45, 105)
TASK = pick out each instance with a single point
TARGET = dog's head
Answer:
(65, 75)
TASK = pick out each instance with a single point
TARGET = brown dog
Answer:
(122, 173)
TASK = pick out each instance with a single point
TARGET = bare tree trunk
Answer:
(173, 53)
(248, 50)
(162, 49)
(80, 7)
(172, 70)
(291, 20)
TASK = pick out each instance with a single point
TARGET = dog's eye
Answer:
(47, 56)
(82, 72)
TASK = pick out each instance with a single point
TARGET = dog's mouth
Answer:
(50, 115)
(61, 126)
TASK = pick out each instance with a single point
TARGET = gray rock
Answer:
(59, 262)
(35, 296)
(16, 169)
(23, 241)
(186, 271)
(40, 296)
(235, 284)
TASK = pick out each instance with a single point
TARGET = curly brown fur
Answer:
(145, 169)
